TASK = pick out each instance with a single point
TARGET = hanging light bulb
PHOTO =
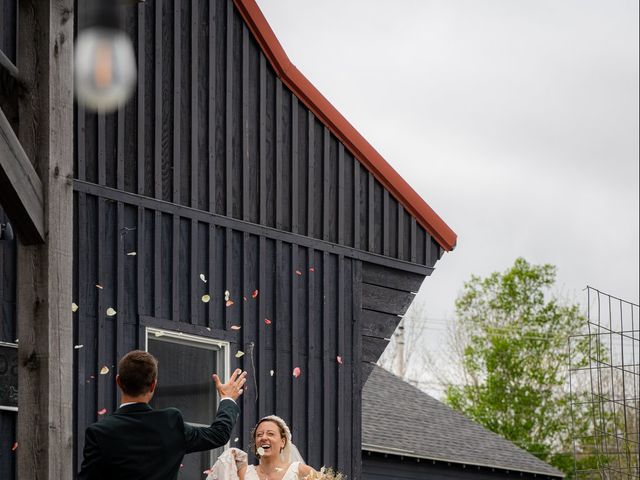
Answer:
(105, 65)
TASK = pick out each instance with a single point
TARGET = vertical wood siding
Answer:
(216, 168)
(211, 120)
(8, 334)
(306, 294)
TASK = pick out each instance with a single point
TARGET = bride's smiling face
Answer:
(270, 439)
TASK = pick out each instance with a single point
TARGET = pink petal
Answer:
(297, 372)
(15, 447)
(102, 412)
(339, 359)
(311, 269)
(254, 294)
(235, 327)
(229, 303)
(298, 272)
(267, 321)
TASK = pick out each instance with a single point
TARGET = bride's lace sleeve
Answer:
(228, 464)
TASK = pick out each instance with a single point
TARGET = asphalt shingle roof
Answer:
(398, 418)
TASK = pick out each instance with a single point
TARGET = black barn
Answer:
(228, 217)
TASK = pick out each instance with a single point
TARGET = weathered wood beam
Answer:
(20, 187)
(8, 64)
(45, 328)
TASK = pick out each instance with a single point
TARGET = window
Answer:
(185, 365)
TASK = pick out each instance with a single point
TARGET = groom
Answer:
(138, 442)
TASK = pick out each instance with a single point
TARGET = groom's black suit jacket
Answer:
(137, 442)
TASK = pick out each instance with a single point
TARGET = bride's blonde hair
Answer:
(282, 426)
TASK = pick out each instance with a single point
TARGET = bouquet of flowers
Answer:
(326, 474)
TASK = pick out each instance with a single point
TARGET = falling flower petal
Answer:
(235, 327)
(254, 294)
(267, 321)
(298, 272)
(339, 359)
(239, 353)
(229, 303)
(181, 465)
(244, 298)
(235, 440)
(297, 372)
(206, 298)
(311, 269)
(227, 295)
(132, 254)
(102, 412)
(271, 372)
(111, 312)
(15, 447)
(260, 451)
(104, 370)
(208, 328)
(78, 347)
(203, 278)
(99, 286)
(74, 307)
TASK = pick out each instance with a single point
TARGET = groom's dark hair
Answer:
(137, 371)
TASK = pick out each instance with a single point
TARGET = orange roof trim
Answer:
(341, 128)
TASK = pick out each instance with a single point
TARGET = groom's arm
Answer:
(217, 434)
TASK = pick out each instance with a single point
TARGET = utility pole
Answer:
(400, 366)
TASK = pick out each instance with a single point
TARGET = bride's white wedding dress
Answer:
(225, 468)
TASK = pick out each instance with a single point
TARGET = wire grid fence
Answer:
(605, 387)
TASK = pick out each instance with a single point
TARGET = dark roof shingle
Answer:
(400, 419)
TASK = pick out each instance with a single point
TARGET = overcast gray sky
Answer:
(516, 120)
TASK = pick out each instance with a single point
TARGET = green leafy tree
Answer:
(515, 359)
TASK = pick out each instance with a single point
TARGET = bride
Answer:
(278, 457)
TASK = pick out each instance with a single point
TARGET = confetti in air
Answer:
(235, 440)
(102, 412)
(267, 321)
(227, 295)
(111, 312)
(99, 286)
(206, 298)
(260, 451)
(311, 269)
(203, 278)
(78, 347)
(254, 294)
(239, 353)
(297, 372)
(15, 447)
(235, 327)
(229, 303)
(104, 370)
(339, 359)
(298, 272)
(132, 254)
(271, 372)
(74, 307)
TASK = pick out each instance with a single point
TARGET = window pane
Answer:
(184, 378)
(184, 382)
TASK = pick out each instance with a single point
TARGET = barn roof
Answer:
(341, 128)
(399, 419)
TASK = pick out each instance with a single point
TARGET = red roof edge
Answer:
(341, 128)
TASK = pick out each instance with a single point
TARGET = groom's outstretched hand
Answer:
(233, 388)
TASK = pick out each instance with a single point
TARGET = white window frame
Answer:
(189, 339)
